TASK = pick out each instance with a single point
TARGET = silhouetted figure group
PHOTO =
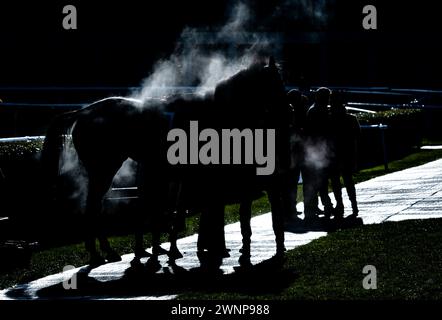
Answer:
(317, 142)
(324, 148)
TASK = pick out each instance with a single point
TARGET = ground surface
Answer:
(414, 193)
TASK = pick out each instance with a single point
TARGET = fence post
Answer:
(384, 146)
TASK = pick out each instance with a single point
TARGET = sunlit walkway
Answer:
(415, 193)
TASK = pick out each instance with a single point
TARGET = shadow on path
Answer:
(141, 279)
(298, 225)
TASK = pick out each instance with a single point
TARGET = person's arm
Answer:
(309, 120)
(356, 134)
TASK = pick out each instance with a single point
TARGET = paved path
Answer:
(415, 193)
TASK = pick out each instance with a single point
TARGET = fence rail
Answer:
(21, 139)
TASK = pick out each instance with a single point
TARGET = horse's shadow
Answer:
(297, 225)
(267, 277)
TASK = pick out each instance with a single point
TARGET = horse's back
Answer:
(104, 130)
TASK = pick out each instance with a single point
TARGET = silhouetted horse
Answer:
(109, 131)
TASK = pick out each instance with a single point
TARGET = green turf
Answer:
(415, 159)
(407, 256)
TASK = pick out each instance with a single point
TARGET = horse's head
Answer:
(273, 90)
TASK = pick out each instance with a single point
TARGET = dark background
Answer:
(117, 42)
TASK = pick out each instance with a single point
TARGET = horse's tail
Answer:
(53, 146)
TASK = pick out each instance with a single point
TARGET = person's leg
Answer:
(337, 191)
(351, 190)
(323, 193)
(293, 191)
(211, 235)
(204, 231)
(179, 220)
(310, 193)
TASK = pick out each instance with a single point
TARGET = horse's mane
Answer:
(231, 88)
(240, 86)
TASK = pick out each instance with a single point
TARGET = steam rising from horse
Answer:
(109, 131)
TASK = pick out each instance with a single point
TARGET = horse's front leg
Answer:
(245, 215)
(177, 225)
(277, 207)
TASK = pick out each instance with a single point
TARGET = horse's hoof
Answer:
(244, 261)
(112, 256)
(279, 257)
(174, 254)
(280, 248)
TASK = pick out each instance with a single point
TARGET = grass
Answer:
(53, 260)
(407, 256)
(418, 157)
(431, 142)
(20, 149)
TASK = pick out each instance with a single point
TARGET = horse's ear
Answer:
(272, 63)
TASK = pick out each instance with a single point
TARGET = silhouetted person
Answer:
(299, 106)
(346, 131)
(317, 156)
